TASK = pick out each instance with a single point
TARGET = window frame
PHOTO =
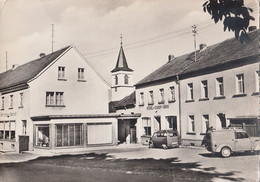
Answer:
(61, 73)
(2, 103)
(190, 92)
(141, 99)
(191, 124)
(126, 79)
(172, 94)
(54, 99)
(205, 123)
(21, 100)
(11, 101)
(240, 84)
(81, 74)
(147, 129)
(151, 98)
(161, 96)
(204, 89)
(220, 92)
(116, 80)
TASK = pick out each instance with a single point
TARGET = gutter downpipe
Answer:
(179, 90)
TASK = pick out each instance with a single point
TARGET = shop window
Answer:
(146, 126)
(81, 72)
(68, 135)
(240, 86)
(61, 72)
(2, 128)
(7, 130)
(43, 136)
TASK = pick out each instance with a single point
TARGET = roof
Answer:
(218, 54)
(127, 101)
(121, 64)
(22, 74)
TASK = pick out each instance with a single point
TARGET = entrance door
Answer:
(23, 143)
(133, 134)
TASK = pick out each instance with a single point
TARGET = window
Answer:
(24, 126)
(191, 124)
(141, 101)
(11, 102)
(257, 78)
(126, 79)
(204, 89)
(7, 130)
(49, 98)
(172, 122)
(190, 91)
(172, 94)
(151, 98)
(220, 86)
(161, 96)
(241, 135)
(21, 100)
(116, 80)
(69, 135)
(59, 99)
(81, 74)
(42, 135)
(240, 84)
(61, 72)
(205, 123)
(2, 103)
(54, 99)
(146, 126)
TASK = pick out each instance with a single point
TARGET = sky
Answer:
(151, 30)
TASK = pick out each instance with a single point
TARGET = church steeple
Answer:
(121, 64)
(122, 77)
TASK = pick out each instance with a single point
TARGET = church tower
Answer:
(122, 77)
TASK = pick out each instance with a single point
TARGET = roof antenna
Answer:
(52, 37)
(194, 31)
(121, 37)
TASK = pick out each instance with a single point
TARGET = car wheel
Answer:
(164, 146)
(225, 152)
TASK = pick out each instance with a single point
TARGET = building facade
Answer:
(55, 101)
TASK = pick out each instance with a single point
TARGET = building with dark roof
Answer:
(55, 101)
(218, 89)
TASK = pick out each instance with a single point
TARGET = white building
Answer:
(55, 101)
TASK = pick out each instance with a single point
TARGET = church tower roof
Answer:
(121, 64)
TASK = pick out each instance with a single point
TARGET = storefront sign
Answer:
(157, 107)
(7, 114)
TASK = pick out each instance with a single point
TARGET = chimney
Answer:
(14, 66)
(42, 55)
(202, 46)
(252, 28)
(170, 57)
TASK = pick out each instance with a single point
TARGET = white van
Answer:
(226, 141)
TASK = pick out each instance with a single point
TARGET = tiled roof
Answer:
(121, 64)
(218, 54)
(127, 101)
(27, 71)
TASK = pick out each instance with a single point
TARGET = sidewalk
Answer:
(13, 157)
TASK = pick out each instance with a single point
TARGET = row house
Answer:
(56, 101)
(218, 89)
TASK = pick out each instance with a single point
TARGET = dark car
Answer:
(165, 139)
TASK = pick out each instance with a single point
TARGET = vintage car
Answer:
(165, 139)
(226, 141)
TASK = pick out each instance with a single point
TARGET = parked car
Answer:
(165, 139)
(226, 141)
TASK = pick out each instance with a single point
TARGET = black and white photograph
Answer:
(129, 90)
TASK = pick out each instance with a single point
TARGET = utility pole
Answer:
(6, 65)
(194, 31)
(52, 37)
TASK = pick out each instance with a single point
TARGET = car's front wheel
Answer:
(225, 152)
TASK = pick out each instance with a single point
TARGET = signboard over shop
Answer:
(157, 107)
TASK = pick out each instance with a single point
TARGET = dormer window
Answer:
(126, 79)
(61, 73)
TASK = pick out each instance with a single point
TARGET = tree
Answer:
(236, 17)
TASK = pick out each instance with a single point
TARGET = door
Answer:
(23, 143)
(242, 141)
(133, 134)
(99, 133)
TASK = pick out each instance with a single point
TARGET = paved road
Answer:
(182, 164)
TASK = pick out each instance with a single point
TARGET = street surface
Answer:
(134, 164)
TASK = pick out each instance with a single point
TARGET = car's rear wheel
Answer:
(225, 152)
(164, 146)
